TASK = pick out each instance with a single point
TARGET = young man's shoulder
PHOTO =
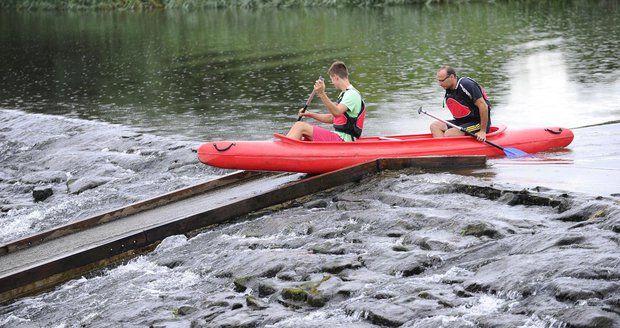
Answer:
(352, 93)
(352, 99)
(352, 89)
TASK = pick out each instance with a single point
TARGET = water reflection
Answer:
(537, 161)
(222, 74)
(541, 86)
(540, 81)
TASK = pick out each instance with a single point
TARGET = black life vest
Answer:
(352, 126)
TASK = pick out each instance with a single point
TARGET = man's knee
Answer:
(298, 126)
(302, 129)
(438, 126)
(453, 132)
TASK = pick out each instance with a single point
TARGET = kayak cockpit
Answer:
(494, 131)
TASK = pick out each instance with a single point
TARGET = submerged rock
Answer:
(42, 193)
(380, 313)
(510, 197)
(295, 294)
(83, 184)
(588, 211)
(241, 283)
(44, 177)
(572, 289)
(589, 317)
(186, 309)
(479, 230)
(319, 203)
(254, 302)
(266, 289)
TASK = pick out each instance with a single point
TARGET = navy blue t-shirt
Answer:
(466, 93)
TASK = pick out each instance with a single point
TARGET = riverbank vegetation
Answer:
(194, 4)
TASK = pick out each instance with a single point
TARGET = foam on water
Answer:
(171, 243)
(11, 320)
(445, 321)
(485, 305)
(547, 322)
(321, 318)
(91, 166)
(15, 224)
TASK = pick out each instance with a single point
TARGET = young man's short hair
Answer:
(338, 68)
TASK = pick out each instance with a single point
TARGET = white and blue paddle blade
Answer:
(515, 153)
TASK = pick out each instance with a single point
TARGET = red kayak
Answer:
(285, 154)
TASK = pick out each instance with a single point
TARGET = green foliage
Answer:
(194, 4)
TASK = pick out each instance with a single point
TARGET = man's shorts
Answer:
(472, 127)
(320, 134)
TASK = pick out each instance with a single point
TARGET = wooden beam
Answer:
(122, 212)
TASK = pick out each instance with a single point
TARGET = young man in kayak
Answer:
(346, 114)
(468, 104)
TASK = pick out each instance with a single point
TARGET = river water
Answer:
(105, 108)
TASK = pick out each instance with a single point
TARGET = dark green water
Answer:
(236, 73)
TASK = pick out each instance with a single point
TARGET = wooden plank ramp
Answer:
(46, 259)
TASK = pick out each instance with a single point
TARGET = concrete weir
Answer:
(41, 261)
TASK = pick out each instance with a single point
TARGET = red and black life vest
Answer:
(352, 126)
(461, 102)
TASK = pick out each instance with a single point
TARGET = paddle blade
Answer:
(515, 153)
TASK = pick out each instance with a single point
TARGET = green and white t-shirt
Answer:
(353, 100)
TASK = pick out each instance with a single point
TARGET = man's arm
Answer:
(333, 108)
(484, 118)
(324, 118)
(475, 92)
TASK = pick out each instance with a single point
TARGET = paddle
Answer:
(510, 152)
(309, 100)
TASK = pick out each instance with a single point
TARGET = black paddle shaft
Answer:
(308, 101)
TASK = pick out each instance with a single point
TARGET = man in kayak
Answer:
(346, 114)
(468, 104)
